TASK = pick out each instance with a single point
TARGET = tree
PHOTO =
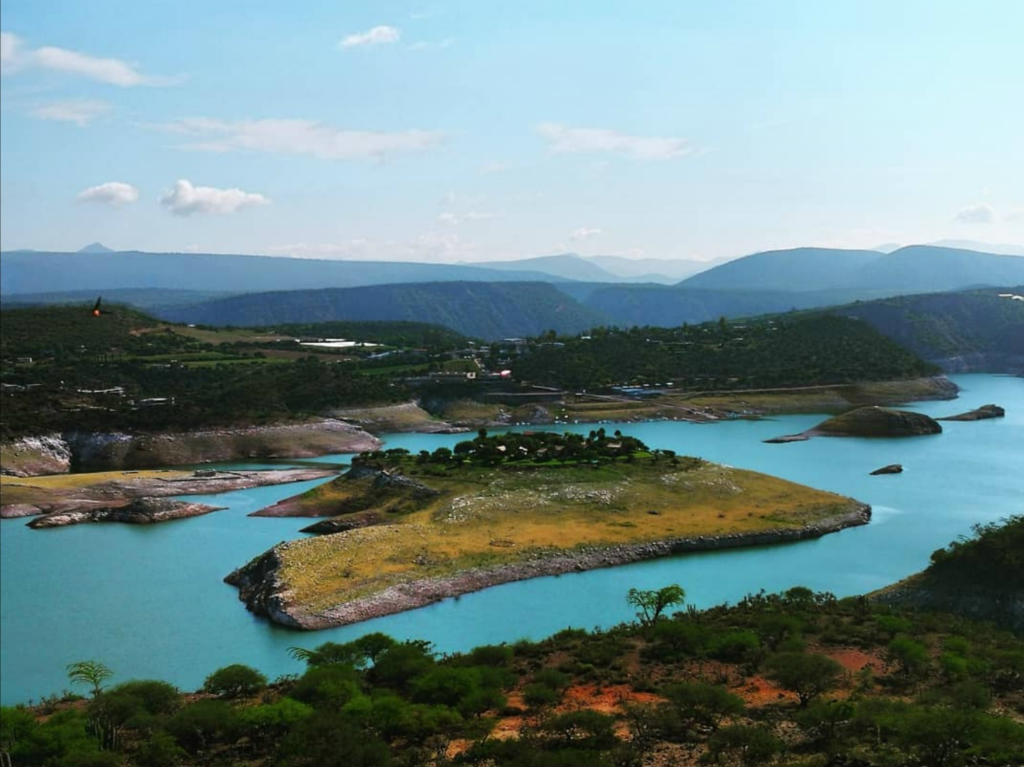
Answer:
(89, 672)
(911, 655)
(235, 681)
(806, 674)
(651, 604)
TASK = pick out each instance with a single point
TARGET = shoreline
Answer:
(263, 594)
(46, 496)
(353, 430)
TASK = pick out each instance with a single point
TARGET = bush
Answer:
(742, 744)
(327, 686)
(537, 695)
(806, 674)
(235, 681)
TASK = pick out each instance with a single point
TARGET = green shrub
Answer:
(235, 681)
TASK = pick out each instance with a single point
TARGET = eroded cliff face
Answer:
(33, 456)
(107, 451)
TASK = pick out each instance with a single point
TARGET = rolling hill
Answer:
(969, 331)
(481, 310)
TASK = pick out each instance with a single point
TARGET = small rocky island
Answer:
(141, 511)
(869, 421)
(416, 529)
(978, 414)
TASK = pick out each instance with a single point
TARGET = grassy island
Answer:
(502, 508)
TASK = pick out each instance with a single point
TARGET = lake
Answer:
(149, 601)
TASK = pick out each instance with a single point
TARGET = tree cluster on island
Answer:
(528, 447)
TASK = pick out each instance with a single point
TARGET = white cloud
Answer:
(116, 193)
(104, 70)
(1015, 214)
(291, 136)
(10, 52)
(185, 199)
(979, 213)
(78, 111)
(376, 36)
(584, 233)
(563, 139)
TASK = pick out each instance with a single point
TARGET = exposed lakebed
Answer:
(149, 601)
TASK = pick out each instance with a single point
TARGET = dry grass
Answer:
(496, 516)
(52, 487)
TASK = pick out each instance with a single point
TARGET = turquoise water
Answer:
(150, 603)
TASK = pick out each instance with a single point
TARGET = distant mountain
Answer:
(912, 269)
(95, 247)
(478, 309)
(567, 266)
(926, 268)
(970, 331)
(796, 269)
(663, 270)
(140, 298)
(1005, 249)
(39, 272)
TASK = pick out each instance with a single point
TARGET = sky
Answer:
(465, 131)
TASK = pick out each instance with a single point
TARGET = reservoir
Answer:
(149, 601)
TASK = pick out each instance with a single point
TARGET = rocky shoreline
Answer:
(265, 594)
(109, 493)
(61, 453)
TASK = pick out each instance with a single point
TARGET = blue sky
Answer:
(476, 130)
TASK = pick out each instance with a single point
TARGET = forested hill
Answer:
(968, 331)
(766, 352)
(478, 309)
(981, 577)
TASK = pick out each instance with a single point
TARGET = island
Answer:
(511, 507)
(869, 421)
(978, 414)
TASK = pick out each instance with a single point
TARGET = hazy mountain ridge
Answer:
(41, 272)
(478, 309)
(910, 269)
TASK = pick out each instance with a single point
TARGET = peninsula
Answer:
(511, 507)
(129, 496)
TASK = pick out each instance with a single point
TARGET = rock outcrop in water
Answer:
(978, 414)
(892, 468)
(873, 421)
(141, 511)
(870, 421)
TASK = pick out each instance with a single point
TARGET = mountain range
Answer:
(565, 292)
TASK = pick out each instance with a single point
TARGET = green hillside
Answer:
(783, 351)
(477, 309)
(972, 330)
